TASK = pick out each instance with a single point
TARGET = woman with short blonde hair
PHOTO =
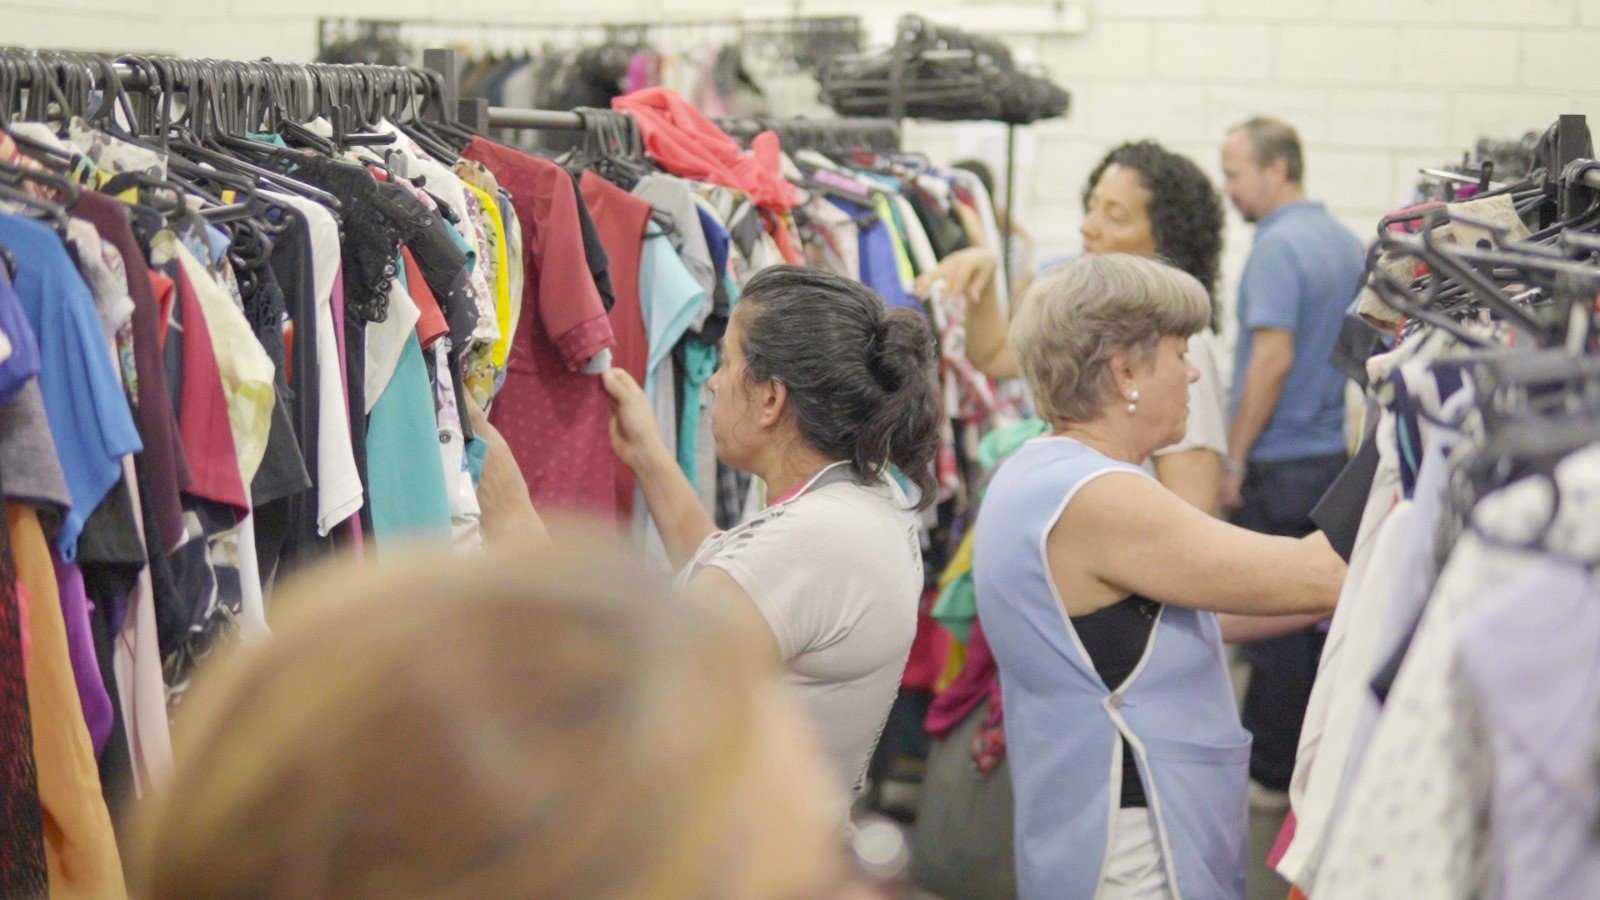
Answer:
(1083, 315)
(530, 725)
(1097, 589)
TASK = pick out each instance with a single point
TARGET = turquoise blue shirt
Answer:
(671, 299)
(700, 363)
(405, 472)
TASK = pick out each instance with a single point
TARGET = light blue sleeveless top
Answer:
(1064, 727)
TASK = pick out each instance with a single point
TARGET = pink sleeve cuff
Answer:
(583, 341)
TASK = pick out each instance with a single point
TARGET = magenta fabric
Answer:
(979, 681)
(977, 685)
(644, 71)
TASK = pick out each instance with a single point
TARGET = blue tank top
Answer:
(1066, 728)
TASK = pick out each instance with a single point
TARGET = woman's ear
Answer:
(772, 397)
(1122, 373)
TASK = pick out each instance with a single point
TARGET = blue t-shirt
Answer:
(1303, 271)
(717, 239)
(880, 268)
(84, 399)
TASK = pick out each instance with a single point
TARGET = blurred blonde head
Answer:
(526, 725)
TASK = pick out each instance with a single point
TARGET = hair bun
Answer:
(901, 350)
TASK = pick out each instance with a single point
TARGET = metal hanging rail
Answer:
(541, 119)
(842, 33)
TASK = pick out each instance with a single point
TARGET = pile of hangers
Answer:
(1490, 160)
(1463, 264)
(936, 72)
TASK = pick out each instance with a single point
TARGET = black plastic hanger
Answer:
(1455, 263)
(189, 136)
(64, 187)
(42, 153)
(10, 86)
(430, 125)
(1397, 295)
(1536, 408)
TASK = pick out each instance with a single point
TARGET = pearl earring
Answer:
(1133, 402)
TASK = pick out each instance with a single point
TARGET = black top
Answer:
(1116, 638)
(1338, 513)
(593, 250)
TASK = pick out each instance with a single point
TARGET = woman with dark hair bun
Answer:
(821, 391)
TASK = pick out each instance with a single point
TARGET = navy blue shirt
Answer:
(1303, 272)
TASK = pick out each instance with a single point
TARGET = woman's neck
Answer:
(1097, 436)
(789, 472)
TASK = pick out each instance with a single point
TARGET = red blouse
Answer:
(555, 417)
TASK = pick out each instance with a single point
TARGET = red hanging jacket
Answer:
(690, 145)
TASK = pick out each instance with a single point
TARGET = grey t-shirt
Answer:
(671, 195)
(32, 468)
(837, 573)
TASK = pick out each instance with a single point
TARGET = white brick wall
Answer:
(1376, 87)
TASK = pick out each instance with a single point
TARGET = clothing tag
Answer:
(598, 363)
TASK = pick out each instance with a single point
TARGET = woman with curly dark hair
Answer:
(1148, 201)
(1173, 212)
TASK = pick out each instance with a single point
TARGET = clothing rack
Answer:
(134, 78)
(533, 119)
(1489, 392)
(812, 38)
(230, 97)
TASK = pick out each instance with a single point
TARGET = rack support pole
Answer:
(1011, 205)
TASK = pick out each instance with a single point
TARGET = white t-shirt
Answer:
(339, 493)
(837, 573)
(1208, 425)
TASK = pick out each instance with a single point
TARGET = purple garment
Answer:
(1529, 656)
(642, 72)
(116, 611)
(80, 648)
(22, 361)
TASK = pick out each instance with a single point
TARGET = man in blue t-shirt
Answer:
(1286, 444)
